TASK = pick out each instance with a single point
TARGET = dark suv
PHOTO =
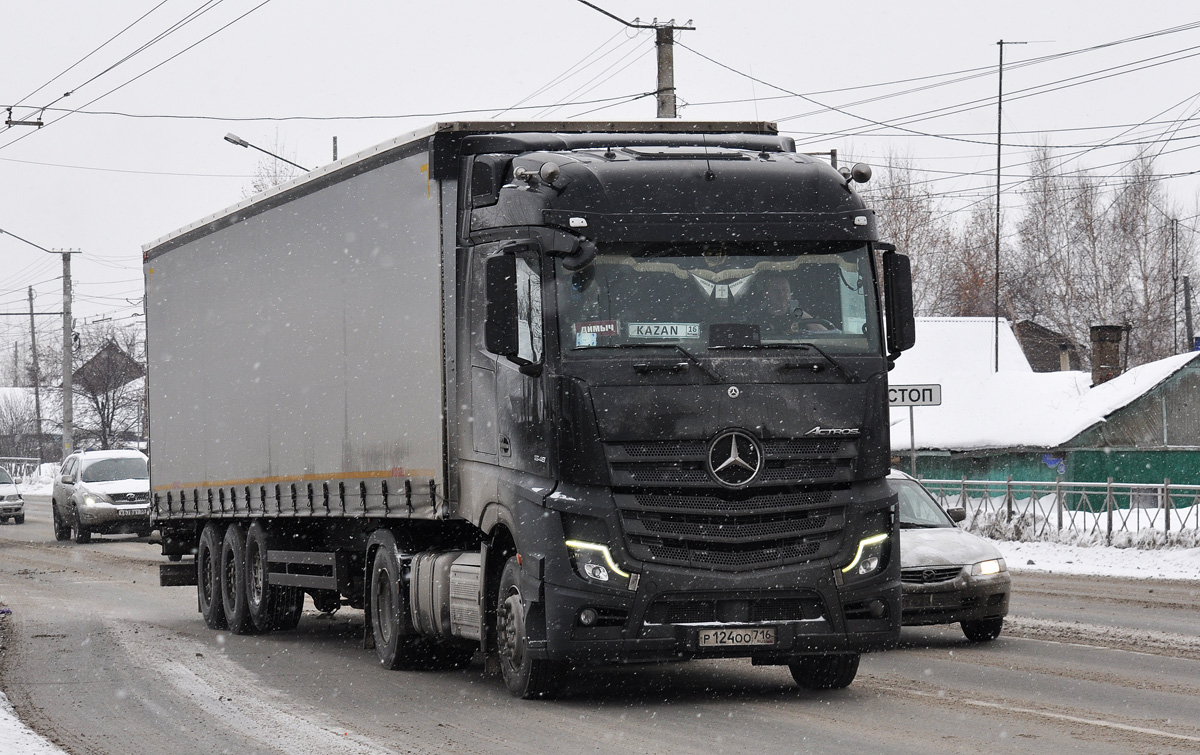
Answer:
(102, 492)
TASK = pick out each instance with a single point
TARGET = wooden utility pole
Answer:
(37, 381)
(664, 40)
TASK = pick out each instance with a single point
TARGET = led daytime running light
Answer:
(601, 549)
(863, 545)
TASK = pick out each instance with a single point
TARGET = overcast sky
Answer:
(136, 150)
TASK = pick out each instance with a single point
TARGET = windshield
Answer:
(720, 296)
(4, 478)
(917, 507)
(125, 468)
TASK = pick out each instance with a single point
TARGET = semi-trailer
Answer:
(563, 394)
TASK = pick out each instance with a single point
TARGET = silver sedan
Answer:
(947, 574)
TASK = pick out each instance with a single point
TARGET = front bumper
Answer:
(670, 610)
(12, 508)
(964, 598)
(112, 518)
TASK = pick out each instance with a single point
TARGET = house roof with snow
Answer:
(1013, 407)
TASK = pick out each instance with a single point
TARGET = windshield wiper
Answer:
(919, 526)
(690, 356)
(837, 365)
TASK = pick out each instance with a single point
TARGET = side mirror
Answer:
(957, 515)
(897, 289)
(500, 334)
(487, 176)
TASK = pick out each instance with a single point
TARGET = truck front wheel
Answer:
(525, 676)
(824, 671)
(208, 579)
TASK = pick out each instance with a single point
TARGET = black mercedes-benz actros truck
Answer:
(562, 394)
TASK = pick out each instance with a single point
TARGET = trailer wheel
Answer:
(208, 580)
(262, 598)
(824, 671)
(394, 642)
(525, 676)
(62, 530)
(233, 580)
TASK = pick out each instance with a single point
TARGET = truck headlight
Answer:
(869, 558)
(594, 562)
(991, 566)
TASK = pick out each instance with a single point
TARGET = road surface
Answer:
(100, 659)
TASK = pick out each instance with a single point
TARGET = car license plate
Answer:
(139, 511)
(737, 637)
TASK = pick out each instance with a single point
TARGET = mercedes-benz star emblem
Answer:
(735, 458)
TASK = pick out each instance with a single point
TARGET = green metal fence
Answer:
(1091, 508)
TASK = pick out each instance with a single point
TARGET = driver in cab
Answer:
(781, 313)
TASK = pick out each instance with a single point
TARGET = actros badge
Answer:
(735, 457)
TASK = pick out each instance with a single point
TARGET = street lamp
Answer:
(239, 141)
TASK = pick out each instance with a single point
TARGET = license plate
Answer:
(737, 637)
(134, 512)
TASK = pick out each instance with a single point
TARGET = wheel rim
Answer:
(230, 577)
(510, 630)
(383, 605)
(257, 576)
(206, 577)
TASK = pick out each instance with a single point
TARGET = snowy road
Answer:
(99, 659)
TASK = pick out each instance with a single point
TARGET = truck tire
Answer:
(394, 642)
(824, 671)
(525, 676)
(262, 598)
(233, 580)
(82, 534)
(62, 529)
(208, 577)
(983, 630)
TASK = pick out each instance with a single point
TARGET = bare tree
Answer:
(109, 384)
(912, 217)
(17, 435)
(271, 172)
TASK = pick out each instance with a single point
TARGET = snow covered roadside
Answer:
(18, 739)
(1100, 560)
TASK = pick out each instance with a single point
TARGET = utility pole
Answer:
(664, 40)
(1175, 288)
(68, 441)
(37, 382)
(68, 379)
(999, 132)
(1187, 313)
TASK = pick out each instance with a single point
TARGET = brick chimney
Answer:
(1106, 352)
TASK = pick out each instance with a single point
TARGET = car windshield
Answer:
(917, 507)
(701, 296)
(124, 468)
(4, 478)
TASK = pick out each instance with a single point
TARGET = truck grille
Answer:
(682, 463)
(727, 531)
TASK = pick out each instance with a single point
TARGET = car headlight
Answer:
(12, 498)
(594, 562)
(91, 499)
(870, 557)
(991, 566)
